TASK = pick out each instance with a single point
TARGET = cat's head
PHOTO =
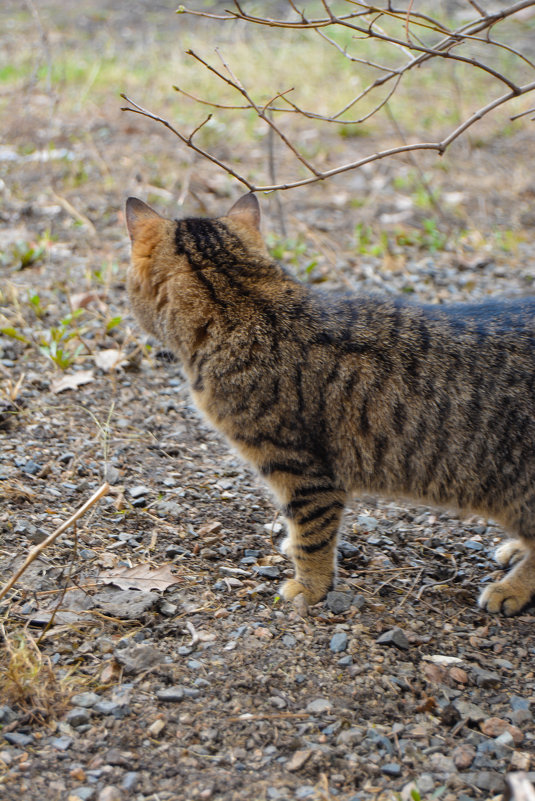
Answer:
(184, 273)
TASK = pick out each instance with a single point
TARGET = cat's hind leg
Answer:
(313, 520)
(512, 593)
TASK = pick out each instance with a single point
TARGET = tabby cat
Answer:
(329, 394)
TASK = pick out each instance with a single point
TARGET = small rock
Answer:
(488, 780)
(319, 705)
(463, 756)
(338, 602)
(367, 523)
(517, 702)
(171, 694)
(493, 727)
(394, 637)
(486, 678)
(521, 716)
(110, 793)
(267, 571)
(288, 640)
(520, 760)
(442, 763)
(470, 711)
(138, 658)
(338, 642)
(298, 759)
(138, 492)
(391, 769)
(156, 728)
(111, 474)
(77, 717)
(7, 715)
(83, 793)
(111, 708)
(61, 743)
(17, 738)
(130, 780)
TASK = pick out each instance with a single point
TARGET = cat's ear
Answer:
(247, 211)
(136, 211)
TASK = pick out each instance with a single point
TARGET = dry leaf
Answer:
(81, 300)
(72, 381)
(110, 359)
(141, 577)
(210, 528)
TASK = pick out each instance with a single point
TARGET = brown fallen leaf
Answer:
(110, 359)
(141, 577)
(80, 300)
(71, 381)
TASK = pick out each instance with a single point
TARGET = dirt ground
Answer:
(146, 653)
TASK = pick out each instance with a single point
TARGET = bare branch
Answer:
(419, 38)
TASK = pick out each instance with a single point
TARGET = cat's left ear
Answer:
(136, 211)
(247, 211)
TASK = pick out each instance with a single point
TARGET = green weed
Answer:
(58, 343)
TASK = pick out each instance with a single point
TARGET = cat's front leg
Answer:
(313, 518)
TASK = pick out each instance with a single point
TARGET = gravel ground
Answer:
(167, 666)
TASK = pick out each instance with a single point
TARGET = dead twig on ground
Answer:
(34, 553)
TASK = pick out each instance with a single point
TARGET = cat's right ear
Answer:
(136, 211)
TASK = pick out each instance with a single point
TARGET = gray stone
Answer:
(520, 716)
(489, 780)
(17, 738)
(338, 602)
(7, 715)
(84, 793)
(139, 491)
(318, 705)
(469, 710)
(288, 640)
(391, 769)
(394, 637)
(138, 658)
(517, 702)
(367, 523)
(486, 678)
(61, 743)
(170, 694)
(338, 642)
(267, 571)
(111, 708)
(130, 780)
(77, 717)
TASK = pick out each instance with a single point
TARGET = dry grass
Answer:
(28, 679)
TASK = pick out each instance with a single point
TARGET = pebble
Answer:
(486, 678)
(138, 658)
(469, 710)
(83, 793)
(391, 769)
(110, 793)
(7, 715)
(267, 571)
(139, 491)
(520, 716)
(463, 756)
(517, 702)
(493, 727)
(111, 708)
(77, 717)
(288, 640)
(338, 602)
(61, 743)
(319, 705)
(17, 738)
(130, 780)
(394, 637)
(338, 642)
(367, 523)
(170, 694)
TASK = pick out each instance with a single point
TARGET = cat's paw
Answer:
(509, 596)
(510, 552)
(291, 588)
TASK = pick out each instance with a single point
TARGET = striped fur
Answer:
(331, 394)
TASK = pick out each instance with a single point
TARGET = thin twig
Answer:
(34, 553)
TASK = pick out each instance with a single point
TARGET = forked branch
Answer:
(415, 39)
